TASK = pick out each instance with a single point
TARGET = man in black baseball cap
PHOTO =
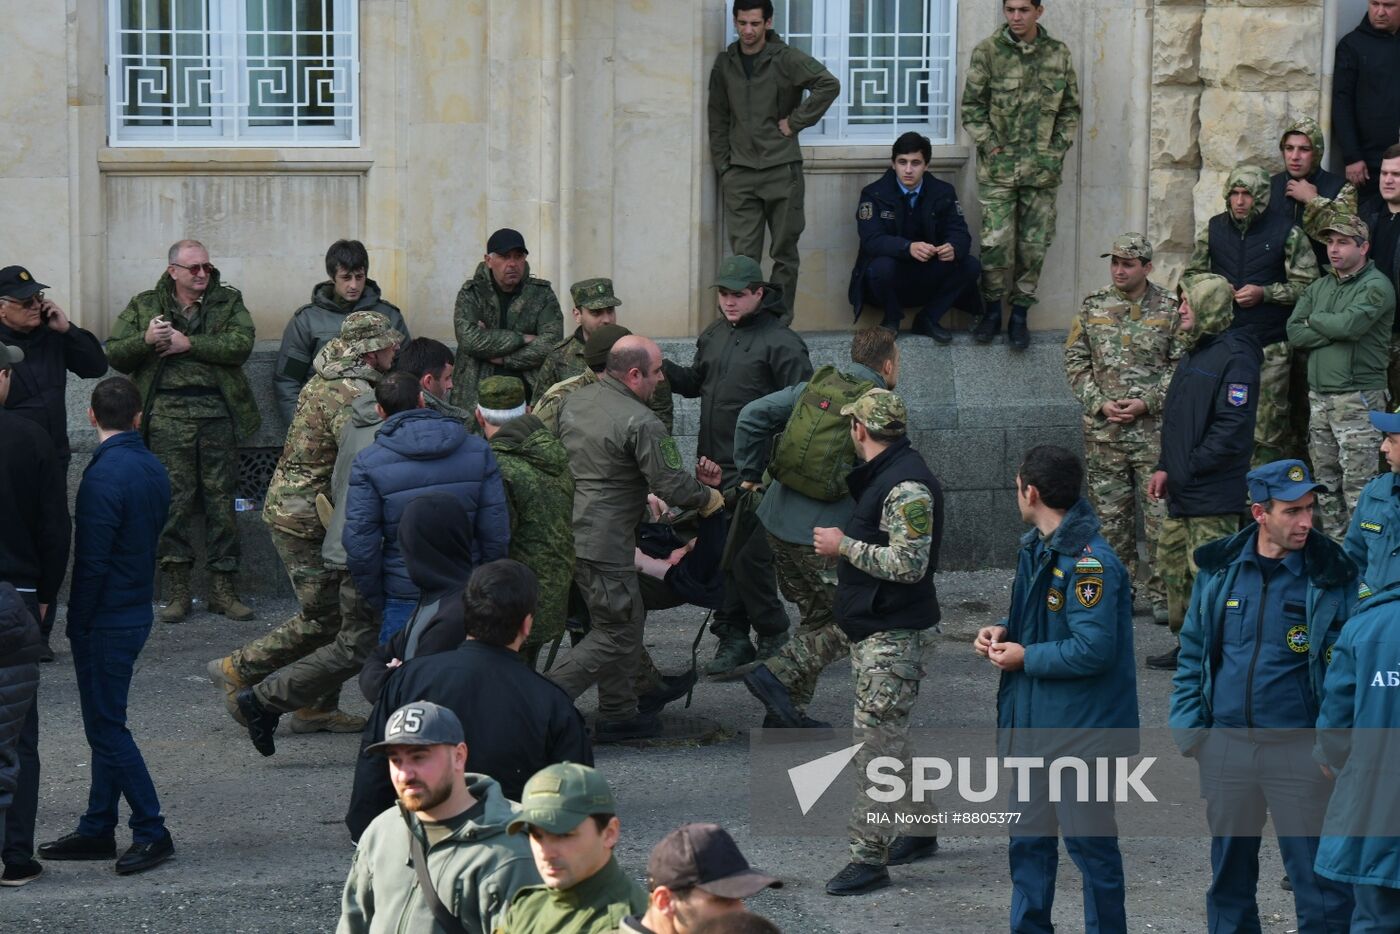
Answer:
(695, 873)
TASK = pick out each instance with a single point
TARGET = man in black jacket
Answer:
(1381, 212)
(516, 720)
(914, 243)
(1207, 439)
(1366, 93)
(1305, 192)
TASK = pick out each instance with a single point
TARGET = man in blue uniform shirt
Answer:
(1373, 539)
(1268, 603)
(914, 243)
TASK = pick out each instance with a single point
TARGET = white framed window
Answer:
(896, 60)
(233, 73)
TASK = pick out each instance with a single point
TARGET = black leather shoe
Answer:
(1018, 334)
(673, 687)
(940, 334)
(77, 846)
(143, 856)
(1286, 884)
(905, 850)
(17, 874)
(1165, 662)
(765, 686)
(857, 879)
(262, 723)
(989, 325)
(642, 726)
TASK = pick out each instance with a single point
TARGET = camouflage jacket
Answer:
(547, 408)
(540, 493)
(565, 360)
(906, 557)
(1119, 349)
(482, 334)
(219, 346)
(313, 440)
(1022, 101)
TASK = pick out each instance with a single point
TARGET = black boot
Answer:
(1164, 662)
(765, 686)
(989, 325)
(673, 687)
(1018, 334)
(928, 326)
(261, 722)
(857, 879)
(642, 726)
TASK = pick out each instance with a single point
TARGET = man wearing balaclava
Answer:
(1306, 193)
(1267, 261)
(1207, 431)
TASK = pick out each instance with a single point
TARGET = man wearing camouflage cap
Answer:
(594, 306)
(595, 357)
(1119, 358)
(570, 814)
(1344, 322)
(345, 367)
(888, 554)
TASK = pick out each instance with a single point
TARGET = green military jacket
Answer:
(618, 452)
(219, 346)
(565, 360)
(744, 111)
(1120, 349)
(1023, 101)
(596, 905)
(564, 371)
(1345, 323)
(540, 493)
(482, 334)
(313, 440)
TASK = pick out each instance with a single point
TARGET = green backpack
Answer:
(816, 451)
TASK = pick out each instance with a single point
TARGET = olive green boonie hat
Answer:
(1348, 225)
(1130, 246)
(559, 797)
(596, 294)
(367, 331)
(501, 393)
(737, 273)
(879, 410)
(600, 343)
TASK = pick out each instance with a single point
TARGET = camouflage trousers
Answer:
(808, 581)
(1118, 475)
(201, 456)
(1176, 550)
(1281, 415)
(1018, 224)
(317, 589)
(314, 680)
(1343, 445)
(888, 668)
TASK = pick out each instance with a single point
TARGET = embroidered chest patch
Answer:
(1054, 600)
(1237, 394)
(1375, 528)
(1233, 603)
(1298, 638)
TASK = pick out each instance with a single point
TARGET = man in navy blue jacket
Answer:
(123, 502)
(915, 248)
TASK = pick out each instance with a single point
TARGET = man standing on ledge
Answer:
(1021, 108)
(756, 111)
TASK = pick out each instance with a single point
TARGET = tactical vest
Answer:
(1255, 257)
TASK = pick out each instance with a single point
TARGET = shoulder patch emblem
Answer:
(1088, 565)
(1295, 473)
(1089, 590)
(670, 453)
(1375, 528)
(1298, 638)
(916, 517)
(1237, 394)
(1054, 600)
(865, 211)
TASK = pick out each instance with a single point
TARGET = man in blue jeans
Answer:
(123, 502)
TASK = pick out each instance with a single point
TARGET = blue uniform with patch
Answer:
(1373, 540)
(1254, 651)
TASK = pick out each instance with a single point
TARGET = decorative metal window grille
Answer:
(896, 60)
(233, 73)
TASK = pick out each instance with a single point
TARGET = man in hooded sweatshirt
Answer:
(1268, 261)
(1207, 431)
(1304, 191)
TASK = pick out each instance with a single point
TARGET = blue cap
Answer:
(1388, 422)
(1283, 480)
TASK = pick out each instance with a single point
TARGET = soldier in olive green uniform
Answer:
(757, 108)
(540, 494)
(595, 305)
(345, 367)
(1021, 108)
(1119, 358)
(184, 343)
(618, 452)
(506, 320)
(594, 357)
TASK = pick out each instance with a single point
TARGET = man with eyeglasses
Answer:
(53, 347)
(184, 343)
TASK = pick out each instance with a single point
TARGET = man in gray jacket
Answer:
(440, 860)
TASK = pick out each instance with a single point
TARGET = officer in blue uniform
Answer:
(1268, 604)
(915, 248)
(1373, 540)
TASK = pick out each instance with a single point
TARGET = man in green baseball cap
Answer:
(570, 814)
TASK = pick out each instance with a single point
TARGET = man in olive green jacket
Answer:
(756, 110)
(184, 343)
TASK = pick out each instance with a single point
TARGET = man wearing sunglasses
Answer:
(184, 343)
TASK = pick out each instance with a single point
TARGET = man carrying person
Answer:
(1366, 93)
(595, 360)
(695, 873)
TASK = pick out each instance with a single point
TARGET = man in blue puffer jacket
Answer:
(416, 450)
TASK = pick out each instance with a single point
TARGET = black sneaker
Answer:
(905, 850)
(18, 874)
(857, 879)
(765, 686)
(77, 846)
(1018, 334)
(642, 726)
(940, 334)
(262, 723)
(143, 856)
(673, 687)
(1165, 662)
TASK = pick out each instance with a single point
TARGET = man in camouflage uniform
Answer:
(595, 358)
(1021, 108)
(1304, 191)
(345, 367)
(618, 452)
(887, 555)
(540, 495)
(506, 320)
(1344, 322)
(595, 305)
(1268, 262)
(1119, 359)
(184, 343)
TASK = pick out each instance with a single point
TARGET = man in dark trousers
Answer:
(33, 556)
(914, 243)
(1381, 212)
(20, 648)
(1366, 93)
(123, 503)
